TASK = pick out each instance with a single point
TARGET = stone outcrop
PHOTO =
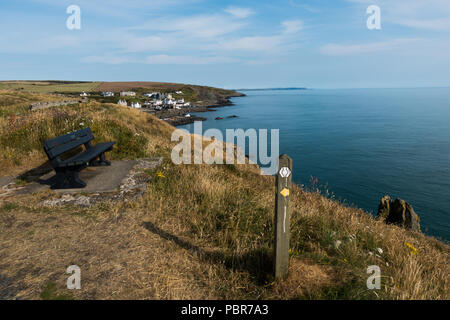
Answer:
(398, 212)
(45, 105)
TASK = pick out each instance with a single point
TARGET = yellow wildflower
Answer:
(412, 248)
(160, 174)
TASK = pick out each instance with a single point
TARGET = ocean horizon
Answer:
(359, 144)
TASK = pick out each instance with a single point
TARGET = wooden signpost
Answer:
(282, 217)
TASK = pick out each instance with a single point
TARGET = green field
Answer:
(49, 86)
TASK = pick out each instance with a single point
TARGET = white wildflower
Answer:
(337, 243)
(380, 251)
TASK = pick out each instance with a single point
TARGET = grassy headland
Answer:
(198, 232)
(201, 98)
(49, 86)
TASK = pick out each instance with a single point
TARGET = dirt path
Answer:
(119, 257)
(119, 254)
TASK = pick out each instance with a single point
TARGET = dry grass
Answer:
(199, 232)
(118, 257)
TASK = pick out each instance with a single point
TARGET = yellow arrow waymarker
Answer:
(284, 192)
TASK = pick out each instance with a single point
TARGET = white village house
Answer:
(136, 105)
(127, 94)
(122, 103)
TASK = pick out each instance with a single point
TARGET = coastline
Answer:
(178, 117)
(352, 194)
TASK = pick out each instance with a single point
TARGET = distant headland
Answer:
(270, 89)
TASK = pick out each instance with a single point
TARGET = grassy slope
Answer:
(185, 240)
(199, 95)
(49, 86)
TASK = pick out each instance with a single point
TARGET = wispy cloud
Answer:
(419, 14)
(158, 59)
(442, 24)
(117, 8)
(355, 49)
(309, 8)
(133, 44)
(211, 38)
(166, 59)
(223, 35)
(292, 26)
(109, 59)
(203, 26)
(257, 43)
(239, 12)
(14, 43)
(277, 43)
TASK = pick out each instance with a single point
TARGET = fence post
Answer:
(282, 217)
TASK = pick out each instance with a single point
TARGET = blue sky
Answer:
(230, 44)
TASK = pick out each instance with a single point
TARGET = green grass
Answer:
(20, 182)
(50, 292)
(9, 206)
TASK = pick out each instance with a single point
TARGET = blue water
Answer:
(361, 143)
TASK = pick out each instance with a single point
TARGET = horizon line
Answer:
(244, 89)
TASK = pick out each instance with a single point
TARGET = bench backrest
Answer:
(57, 146)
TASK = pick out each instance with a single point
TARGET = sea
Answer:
(359, 144)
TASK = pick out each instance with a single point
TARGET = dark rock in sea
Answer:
(179, 121)
(219, 118)
(233, 116)
(398, 212)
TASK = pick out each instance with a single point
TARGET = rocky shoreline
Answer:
(178, 117)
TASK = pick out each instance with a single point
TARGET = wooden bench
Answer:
(68, 157)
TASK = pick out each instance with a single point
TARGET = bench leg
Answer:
(101, 161)
(67, 179)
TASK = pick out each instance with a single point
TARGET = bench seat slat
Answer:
(87, 155)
